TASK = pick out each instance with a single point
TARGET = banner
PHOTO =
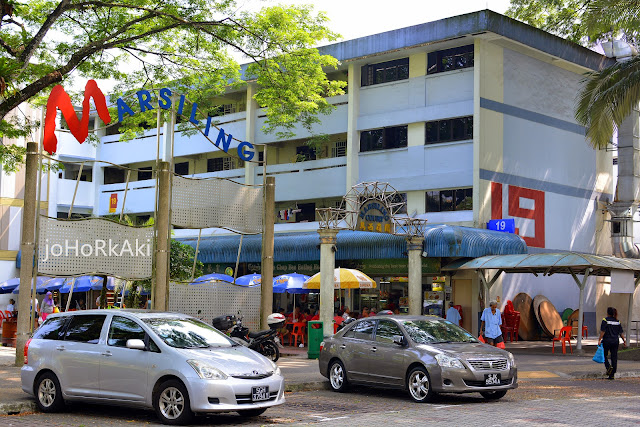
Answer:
(94, 246)
(216, 202)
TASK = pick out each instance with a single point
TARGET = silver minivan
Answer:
(170, 362)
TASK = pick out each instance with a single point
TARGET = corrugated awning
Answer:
(440, 241)
(549, 263)
(450, 241)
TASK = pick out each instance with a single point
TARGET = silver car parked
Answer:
(423, 354)
(170, 362)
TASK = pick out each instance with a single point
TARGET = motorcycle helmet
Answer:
(276, 320)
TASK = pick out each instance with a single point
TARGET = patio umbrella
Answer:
(290, 283)
(52, 285)
(249, 280)
(344, 278)
(82, 284)
(9, 285)
(40, 281)
(213, 277)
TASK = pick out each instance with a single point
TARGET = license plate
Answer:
(492, 379)
(260, 393)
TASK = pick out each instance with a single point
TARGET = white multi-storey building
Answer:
(469, 118)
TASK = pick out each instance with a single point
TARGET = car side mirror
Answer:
(398, 339)
(136, 344)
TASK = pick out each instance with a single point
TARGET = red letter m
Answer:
(79, 128)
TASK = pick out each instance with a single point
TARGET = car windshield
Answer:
(188, 333)
(436, 331)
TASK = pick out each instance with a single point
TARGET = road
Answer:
(556, 401)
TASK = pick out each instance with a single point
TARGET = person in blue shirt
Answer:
(453, 315)
(491, 321)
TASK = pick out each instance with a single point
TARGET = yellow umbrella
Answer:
(343, 278)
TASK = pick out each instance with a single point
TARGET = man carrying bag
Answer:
(610, 329)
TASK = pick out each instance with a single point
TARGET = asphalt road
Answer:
(555, 401)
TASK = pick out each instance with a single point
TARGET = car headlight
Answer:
(276, 368)
(207, 372)
(512, 360)
(448, 361)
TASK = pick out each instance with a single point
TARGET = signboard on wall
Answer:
(622, 282)
(113, 203)
(506, 225)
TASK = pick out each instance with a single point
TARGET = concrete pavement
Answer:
(534, 360)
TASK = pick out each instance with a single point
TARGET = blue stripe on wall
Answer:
(536, 184)
(531, 116)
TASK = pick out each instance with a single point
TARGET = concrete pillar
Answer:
(161, 294)
(353, 135)
(250, 133)
(266, 291)
(327, 266)
(27, 248)
(414, 249)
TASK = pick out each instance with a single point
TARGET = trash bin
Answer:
(315, 335)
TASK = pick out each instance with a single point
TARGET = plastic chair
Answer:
(564, 337)
(585, 330)
(459, 308)
(511, 325)
(8, 314)
(298, 331)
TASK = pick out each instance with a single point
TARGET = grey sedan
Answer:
(170, 362)
(424, 355)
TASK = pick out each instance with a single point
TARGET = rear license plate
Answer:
(260, 393)
(492, 379)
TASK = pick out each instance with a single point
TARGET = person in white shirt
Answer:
(11, 305)
(453, 315)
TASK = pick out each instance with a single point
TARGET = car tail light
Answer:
(26, 351)
(321, 345)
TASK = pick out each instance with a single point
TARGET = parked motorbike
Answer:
(264, 342)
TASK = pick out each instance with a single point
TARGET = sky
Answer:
(358, 18)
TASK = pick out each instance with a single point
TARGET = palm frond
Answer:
(607, 98)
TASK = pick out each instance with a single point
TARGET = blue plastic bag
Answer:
(599, 356)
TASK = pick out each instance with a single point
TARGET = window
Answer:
(339, 149)
(85, 329)
(383, 72)
(383, 139)
(386, 330)
(304, 153)
(144, 173)
(449, 200)
(363, 330)
(113, 175)
(51, 329)
(307, 212)
(181, 168)
(450, 59)
(123, 329)
(457, 129)
(400, 198)
(221, 110)
(220, 164)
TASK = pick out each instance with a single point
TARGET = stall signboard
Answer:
(374, 215)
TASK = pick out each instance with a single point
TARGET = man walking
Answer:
(453, 315)
(491, 321)
(610, 329)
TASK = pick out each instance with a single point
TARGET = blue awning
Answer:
(451, 241)
(440, 241)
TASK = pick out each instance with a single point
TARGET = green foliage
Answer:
(11, 157)
(184, 45)
(181, 262)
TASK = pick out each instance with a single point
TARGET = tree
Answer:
(149, 44)
(609, 95)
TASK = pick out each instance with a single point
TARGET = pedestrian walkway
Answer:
(533, 358)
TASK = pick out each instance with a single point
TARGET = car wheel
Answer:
(271, 351)
(493, 395)
(419, 385)
(48, 393)
(252, 412)
(338, 376)
(172, 404)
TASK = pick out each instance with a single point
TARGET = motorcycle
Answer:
(264, 342)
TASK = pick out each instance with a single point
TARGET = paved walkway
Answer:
(534, 360)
